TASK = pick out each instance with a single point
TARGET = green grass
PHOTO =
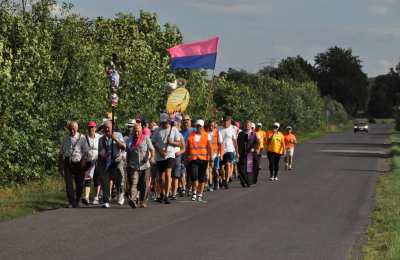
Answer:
(302, 137)
(384, 230)
(27, 199)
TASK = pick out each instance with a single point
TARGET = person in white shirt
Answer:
(92, 140)
(228, 136)
(71, 160)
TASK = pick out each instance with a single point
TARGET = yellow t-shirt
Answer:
(261, 138)
(276, 143)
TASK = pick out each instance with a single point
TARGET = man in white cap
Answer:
(276, 148)
(198, 154)
(166, 139)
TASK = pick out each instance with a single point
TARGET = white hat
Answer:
(259, 124)
(164, 117)
(131, 122)
(199, 122)
(277, 124)
(253, 125)
(104, 121)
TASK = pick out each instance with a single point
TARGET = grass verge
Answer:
(27, 199)
(384, 230)
(302, 137)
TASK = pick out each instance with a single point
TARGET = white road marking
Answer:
(355, 151)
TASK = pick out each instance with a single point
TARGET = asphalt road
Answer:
(317, 211)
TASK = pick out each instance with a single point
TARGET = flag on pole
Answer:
(195, 55)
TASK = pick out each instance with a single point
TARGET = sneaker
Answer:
(167, 201)
(121, 199)
(276, 178)
(271, 178)
(173, 197)
(144, 205)
(132, 204)
(69, 206)
(211, 189)
(106, 205)
(200, 198)
(194, 197)
(95, 201)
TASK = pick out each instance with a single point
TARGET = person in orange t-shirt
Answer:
(290, 142)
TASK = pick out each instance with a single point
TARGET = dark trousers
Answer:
(257, 161)
(73, 173)
(273, 159)
(139, 182)
(243, 175)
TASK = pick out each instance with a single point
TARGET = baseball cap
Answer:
(164, 118)
(200, 122)
(289, 127)
(259, 124)
(253, 125)
(91, 124)
(276, 124)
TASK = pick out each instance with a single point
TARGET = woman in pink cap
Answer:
(92, 139)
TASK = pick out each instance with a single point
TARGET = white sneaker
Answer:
(194, 197)
(121, 199)
(95, 201)
(200, 198)
(106, 205)
(276, 178)
(271, 178)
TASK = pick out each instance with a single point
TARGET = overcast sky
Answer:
(255, 33)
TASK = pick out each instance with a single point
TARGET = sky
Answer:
(257, 33)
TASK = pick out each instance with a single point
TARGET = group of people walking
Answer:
(167, 160)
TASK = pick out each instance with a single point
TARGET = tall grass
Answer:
(384, 230)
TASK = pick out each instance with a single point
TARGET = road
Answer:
(318, 211)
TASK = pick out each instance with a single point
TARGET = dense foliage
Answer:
(52, 70)
(385, 94)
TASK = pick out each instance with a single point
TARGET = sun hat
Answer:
(164, 117)
(131, 122)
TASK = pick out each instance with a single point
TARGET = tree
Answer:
(385, 94)
(340, 76)
(294, 68)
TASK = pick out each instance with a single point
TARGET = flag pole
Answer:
(211, 95)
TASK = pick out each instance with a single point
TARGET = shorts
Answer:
(179, 169)
(217, 163)
(228, 158)
(290, 152)
(163, 165)
(198, 170)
